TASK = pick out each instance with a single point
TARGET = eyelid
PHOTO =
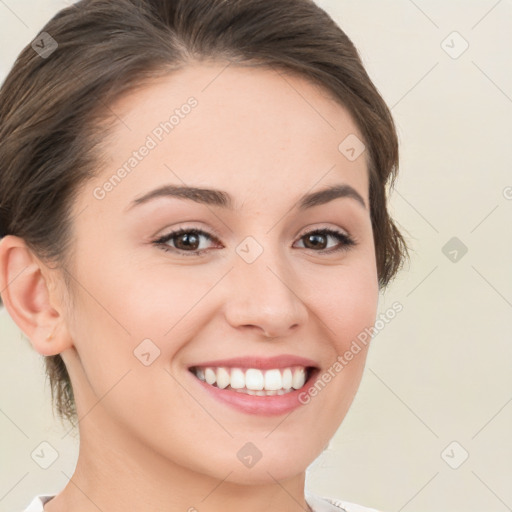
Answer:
(207, 231)
(216, 235)
(315, 228)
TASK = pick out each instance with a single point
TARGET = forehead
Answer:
(250, 129)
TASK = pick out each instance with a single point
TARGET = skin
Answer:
(151, 438)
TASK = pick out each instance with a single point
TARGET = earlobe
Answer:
(28, 298)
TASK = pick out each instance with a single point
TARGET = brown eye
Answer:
(315, 241)
(318, 240)
(185, 241)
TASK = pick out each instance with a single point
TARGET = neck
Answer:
(115, 472)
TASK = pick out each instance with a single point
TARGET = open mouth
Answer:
(254, 381)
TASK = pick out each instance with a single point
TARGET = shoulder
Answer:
(37, 504)
(327, 504)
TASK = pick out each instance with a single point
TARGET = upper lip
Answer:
(262, 363)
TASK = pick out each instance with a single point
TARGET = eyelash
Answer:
(346, 241)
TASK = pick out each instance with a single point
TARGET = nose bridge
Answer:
(262, 292)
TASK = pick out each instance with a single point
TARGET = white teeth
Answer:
(254, 381)
(237, 379)
(299, 378)
(200, 373)
(287, 378)
(209, 376)
(273, 380)
(222, 378)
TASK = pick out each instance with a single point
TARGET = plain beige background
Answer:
(430, 427)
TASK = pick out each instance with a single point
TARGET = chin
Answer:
(269, 464)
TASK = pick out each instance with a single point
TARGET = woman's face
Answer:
(267, 281)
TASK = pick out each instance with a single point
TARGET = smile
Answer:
(251, 384)
(254, 381)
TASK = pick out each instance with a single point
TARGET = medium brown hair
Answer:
(52, 105)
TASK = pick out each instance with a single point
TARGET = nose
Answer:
(262, 297)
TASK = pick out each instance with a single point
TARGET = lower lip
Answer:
(261, 405)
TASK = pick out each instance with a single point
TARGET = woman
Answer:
(194, 234)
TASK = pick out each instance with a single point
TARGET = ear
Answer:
(30, 298)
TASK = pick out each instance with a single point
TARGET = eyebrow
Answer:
(222, 199)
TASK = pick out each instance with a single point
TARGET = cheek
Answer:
(347, 301)
(353, 312)
(132, 319)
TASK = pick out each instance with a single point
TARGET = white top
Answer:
(317, 504)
